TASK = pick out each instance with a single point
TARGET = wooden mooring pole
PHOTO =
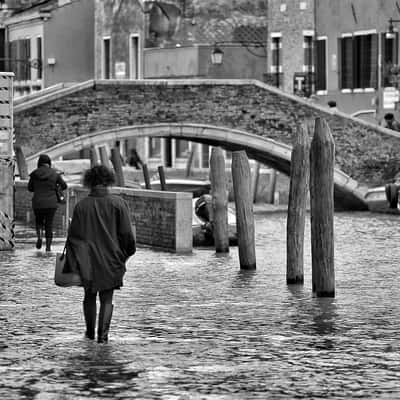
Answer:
(219, 194)
(93, 157)
(21, 162)
(298, 190)
(117, 164)
(322, 159)
(146, 176)
(161, 174)
(241, 177)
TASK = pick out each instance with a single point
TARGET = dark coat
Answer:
(42, 182)
(100, 240)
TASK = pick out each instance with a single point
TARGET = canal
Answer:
(195, 327)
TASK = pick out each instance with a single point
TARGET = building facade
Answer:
(291, 32)
(50, 43)
(355, 54)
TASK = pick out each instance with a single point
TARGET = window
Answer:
(134, 57)
(106, 58)
(19, 53)
(39, 57)
(276, 67)
(320, 65)
(359, 60)
(308, 54)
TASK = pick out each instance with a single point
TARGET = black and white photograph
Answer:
(199, 199)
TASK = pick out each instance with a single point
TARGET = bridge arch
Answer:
(265, 150)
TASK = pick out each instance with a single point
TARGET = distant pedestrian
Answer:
(134, 159)
(43, 182)
(100, 240)
(390, 122)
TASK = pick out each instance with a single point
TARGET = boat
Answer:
(384, 199)
(196, 186)
(202, 227)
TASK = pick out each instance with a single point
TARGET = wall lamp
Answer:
(217, 53)
(390, 34)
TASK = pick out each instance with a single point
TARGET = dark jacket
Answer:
(100, 240)
(42, 182)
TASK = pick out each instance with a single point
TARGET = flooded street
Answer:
(196, 327)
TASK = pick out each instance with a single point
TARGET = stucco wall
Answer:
(161, 219)
(290, 21)
(118, 22)
(335, 18)
(68, 37)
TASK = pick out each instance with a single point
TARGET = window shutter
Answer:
(373, 72)
(346, 62)
(320, 70)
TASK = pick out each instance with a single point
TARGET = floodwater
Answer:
(195, 327)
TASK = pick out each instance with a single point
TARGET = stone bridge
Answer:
(243, 114)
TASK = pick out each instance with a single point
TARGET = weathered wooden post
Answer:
(117, 164)
(219, 195)
(241, 177)
(256, 182)
(272, 187)
(161, 174)
(104, 156)
(322, 159)
(21, 162)
(146, 176)
(298, 190)
(189, 163)
(93, 157)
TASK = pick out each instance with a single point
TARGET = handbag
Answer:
(60, 195)
(65, 279)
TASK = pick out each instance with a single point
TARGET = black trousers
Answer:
(44, 219)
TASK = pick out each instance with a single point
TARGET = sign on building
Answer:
(390, 98)
(120, 70)
(6, 162)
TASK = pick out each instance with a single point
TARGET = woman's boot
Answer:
(48, 243)
(105, 316)
(89, 311)
(39, 238)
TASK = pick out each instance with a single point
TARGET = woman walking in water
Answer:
(43, 182)
(100, 241)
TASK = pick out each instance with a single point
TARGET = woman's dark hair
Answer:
(98, 175)
(44, 159)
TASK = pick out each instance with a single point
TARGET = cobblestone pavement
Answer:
(196, 327)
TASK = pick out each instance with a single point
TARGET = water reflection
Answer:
(243, 278)
(324, 316)
(95, 370)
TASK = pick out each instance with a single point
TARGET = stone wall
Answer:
(161, 219)
(367, 153)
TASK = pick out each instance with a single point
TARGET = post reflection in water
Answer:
(198, 327)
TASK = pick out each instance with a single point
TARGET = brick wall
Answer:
(363, 151)
(161, 219)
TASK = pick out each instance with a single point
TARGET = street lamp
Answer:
(390, 34)
(217, 53)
